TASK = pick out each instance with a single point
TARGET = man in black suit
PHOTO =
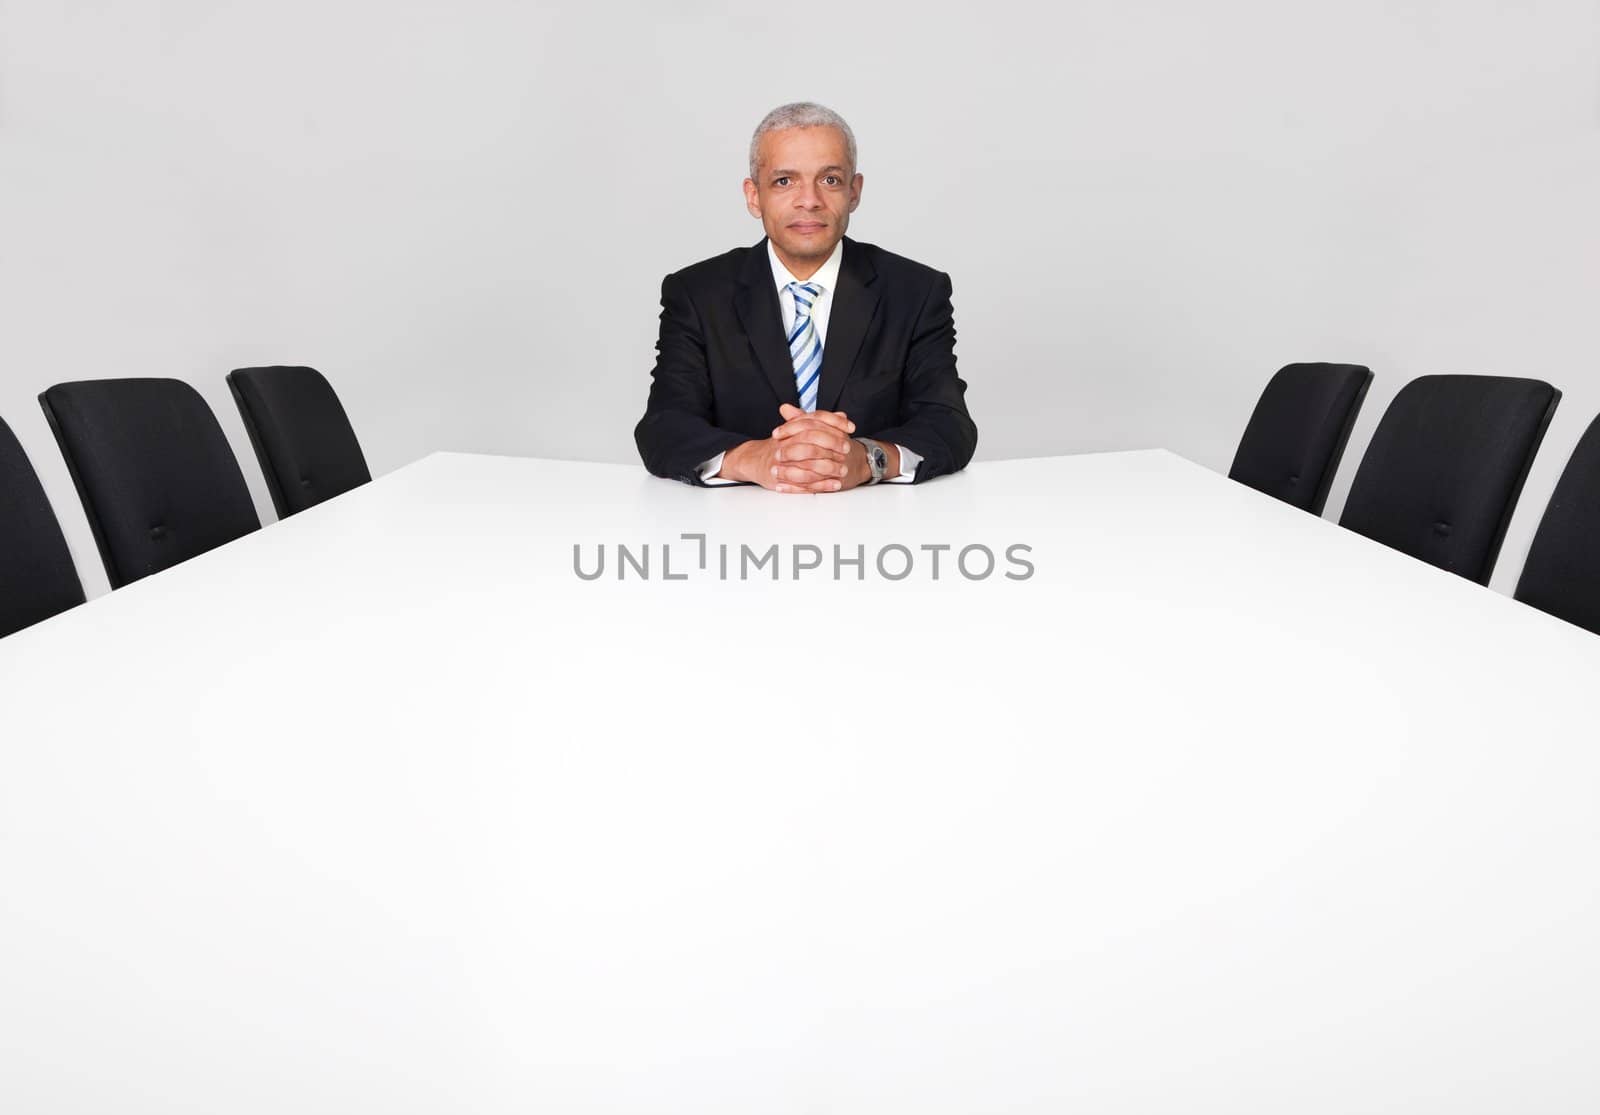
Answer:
(770, 358)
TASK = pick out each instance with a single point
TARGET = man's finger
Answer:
(820, 466)
(836, 418)
(807, 444)
(788, 410)
(810, 422)
(797, 450)
(800, 425)
(819, 486)
(808, 472)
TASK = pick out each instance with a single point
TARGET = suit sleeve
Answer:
(933, 421)
(676, 435)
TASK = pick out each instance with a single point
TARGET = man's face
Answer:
(804, 193)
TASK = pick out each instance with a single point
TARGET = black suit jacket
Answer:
(722, 361)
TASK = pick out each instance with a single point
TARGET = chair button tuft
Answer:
(157, 532)
(1441, 528)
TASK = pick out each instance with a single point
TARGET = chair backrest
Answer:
(1562, 573)
(301, 435)
(155, 474)
(37, 578)
(1296, 436)
(1442, 474)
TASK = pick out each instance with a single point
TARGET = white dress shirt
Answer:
(827, 277)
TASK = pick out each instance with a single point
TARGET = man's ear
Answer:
(855, 191)
(752, 200)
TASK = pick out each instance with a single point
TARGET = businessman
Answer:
(810, 362)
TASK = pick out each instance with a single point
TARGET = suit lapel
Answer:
(853, 306)
(756, 303)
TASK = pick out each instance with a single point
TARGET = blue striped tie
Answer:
(805, 347)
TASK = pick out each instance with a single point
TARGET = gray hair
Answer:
(801, 114)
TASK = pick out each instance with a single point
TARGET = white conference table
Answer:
(383, 808)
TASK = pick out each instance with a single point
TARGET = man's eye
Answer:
(832, 180)
(780, 181)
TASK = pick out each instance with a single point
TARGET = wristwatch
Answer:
(877, 459)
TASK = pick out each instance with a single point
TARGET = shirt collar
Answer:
(827, 276)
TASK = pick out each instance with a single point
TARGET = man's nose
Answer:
(808, 196)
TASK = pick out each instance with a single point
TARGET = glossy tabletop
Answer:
(1189, 802)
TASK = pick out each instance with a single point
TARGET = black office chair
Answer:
(1296, 436)
(300, 433)
(153, 470)
(1562, 573)
(1445, 467)
(37, 578)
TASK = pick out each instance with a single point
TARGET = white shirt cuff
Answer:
(908, 466)
(709, 470)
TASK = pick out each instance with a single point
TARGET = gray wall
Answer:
(462, 212)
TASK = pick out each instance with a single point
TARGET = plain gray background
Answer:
(462, 213)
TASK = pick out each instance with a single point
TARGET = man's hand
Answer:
(814, 452)
(810, 452)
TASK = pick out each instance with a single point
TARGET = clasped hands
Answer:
(811, 452)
